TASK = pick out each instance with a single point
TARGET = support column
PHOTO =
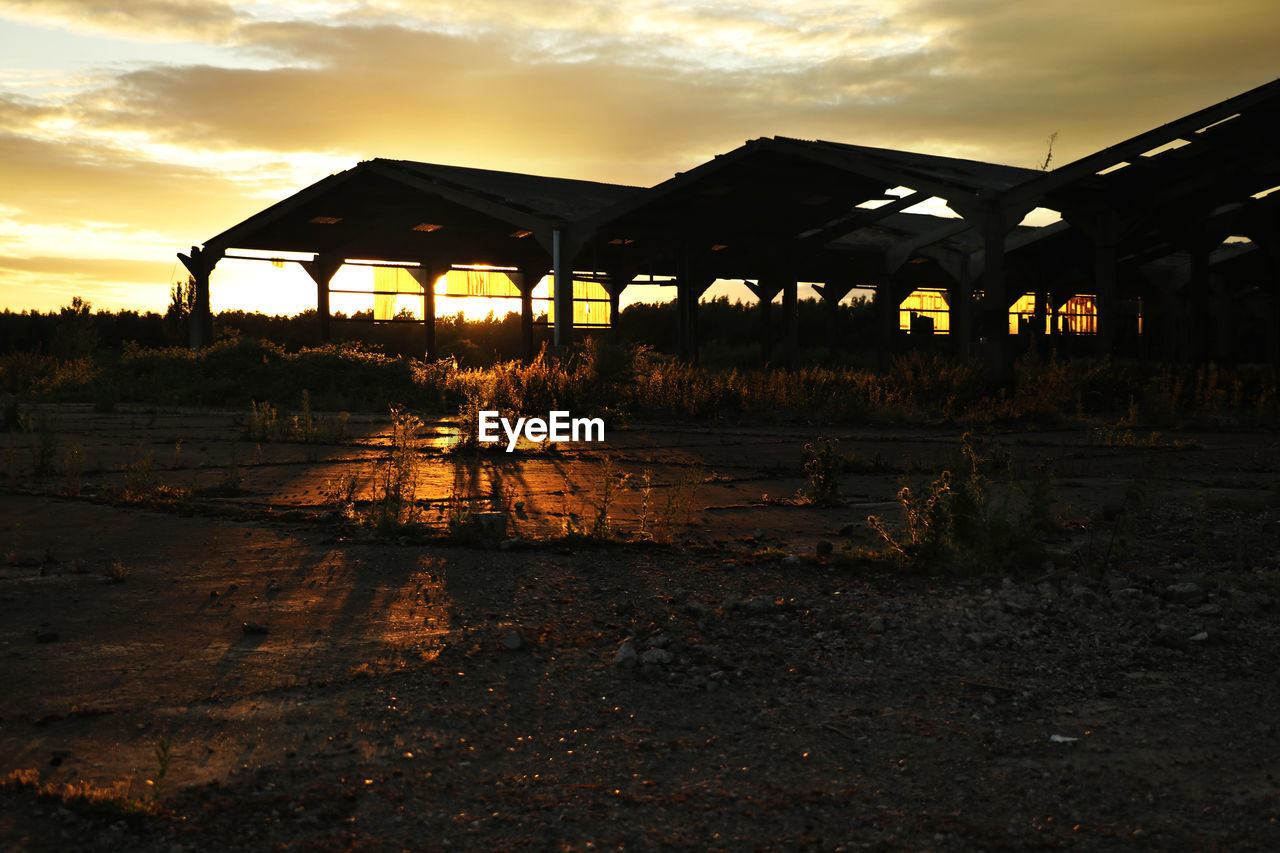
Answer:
(764, 292)
(529, 278)
(427, 274)
(1200, 325)
(562, 272)
(790, 322)
(1105, 303)
(200, 264)
(1039, 320)
(689, 289)
(995, 300)
(322, 270)
(885, 305)
(615, 288)
(831, 294)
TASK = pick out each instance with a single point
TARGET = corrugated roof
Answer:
(549, 198)
(969, 175)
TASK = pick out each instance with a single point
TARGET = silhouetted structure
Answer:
(1166, 246)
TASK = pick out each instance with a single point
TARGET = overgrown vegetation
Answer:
(963, 522)
(106, 359)
(394, 506)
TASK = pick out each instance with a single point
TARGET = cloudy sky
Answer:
(131, 130)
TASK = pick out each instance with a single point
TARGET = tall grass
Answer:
(615, 380)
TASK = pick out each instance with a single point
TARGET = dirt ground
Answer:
(721, 673)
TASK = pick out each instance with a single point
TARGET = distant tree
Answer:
(74, 336)
(177, 318)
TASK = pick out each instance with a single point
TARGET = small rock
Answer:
(825, 548)
(760, 604)
(696, 609)
(508, 544)
(255, 628)
(513, 642)
(791, 561)
(982, 639)
(1186, 592)
(660, 657)
(848, 529)
(876, 626)
(626, 658)
(46, 635)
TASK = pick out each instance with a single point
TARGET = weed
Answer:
(117, 571)
(964, 524)
(162, 769)
(305, 422)
(611, 481)
(139, 475)
(263, 423)
(341, 492)
(43, 435)
(680, 501)
(337, 431)
(73, 470)
(460, 508)
(395, 498)
(822, 464)
(232, 476)
(112, 801)
(469, 419)
(646, 495)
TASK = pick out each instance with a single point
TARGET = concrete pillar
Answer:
(1200, 325)
(885, 304)
(617, 283)
(322, 271)
(689, 289)
(764, 292)
(427, 274)
(790, 323)
(995, 299)
(961, 298)
(529, 278)
(562, 272)
(200, 264)
(831, 294)
(1105, 302)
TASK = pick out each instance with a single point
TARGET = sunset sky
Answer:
(130, 131)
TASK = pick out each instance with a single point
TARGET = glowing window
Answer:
(427, 227)
(925, 310)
